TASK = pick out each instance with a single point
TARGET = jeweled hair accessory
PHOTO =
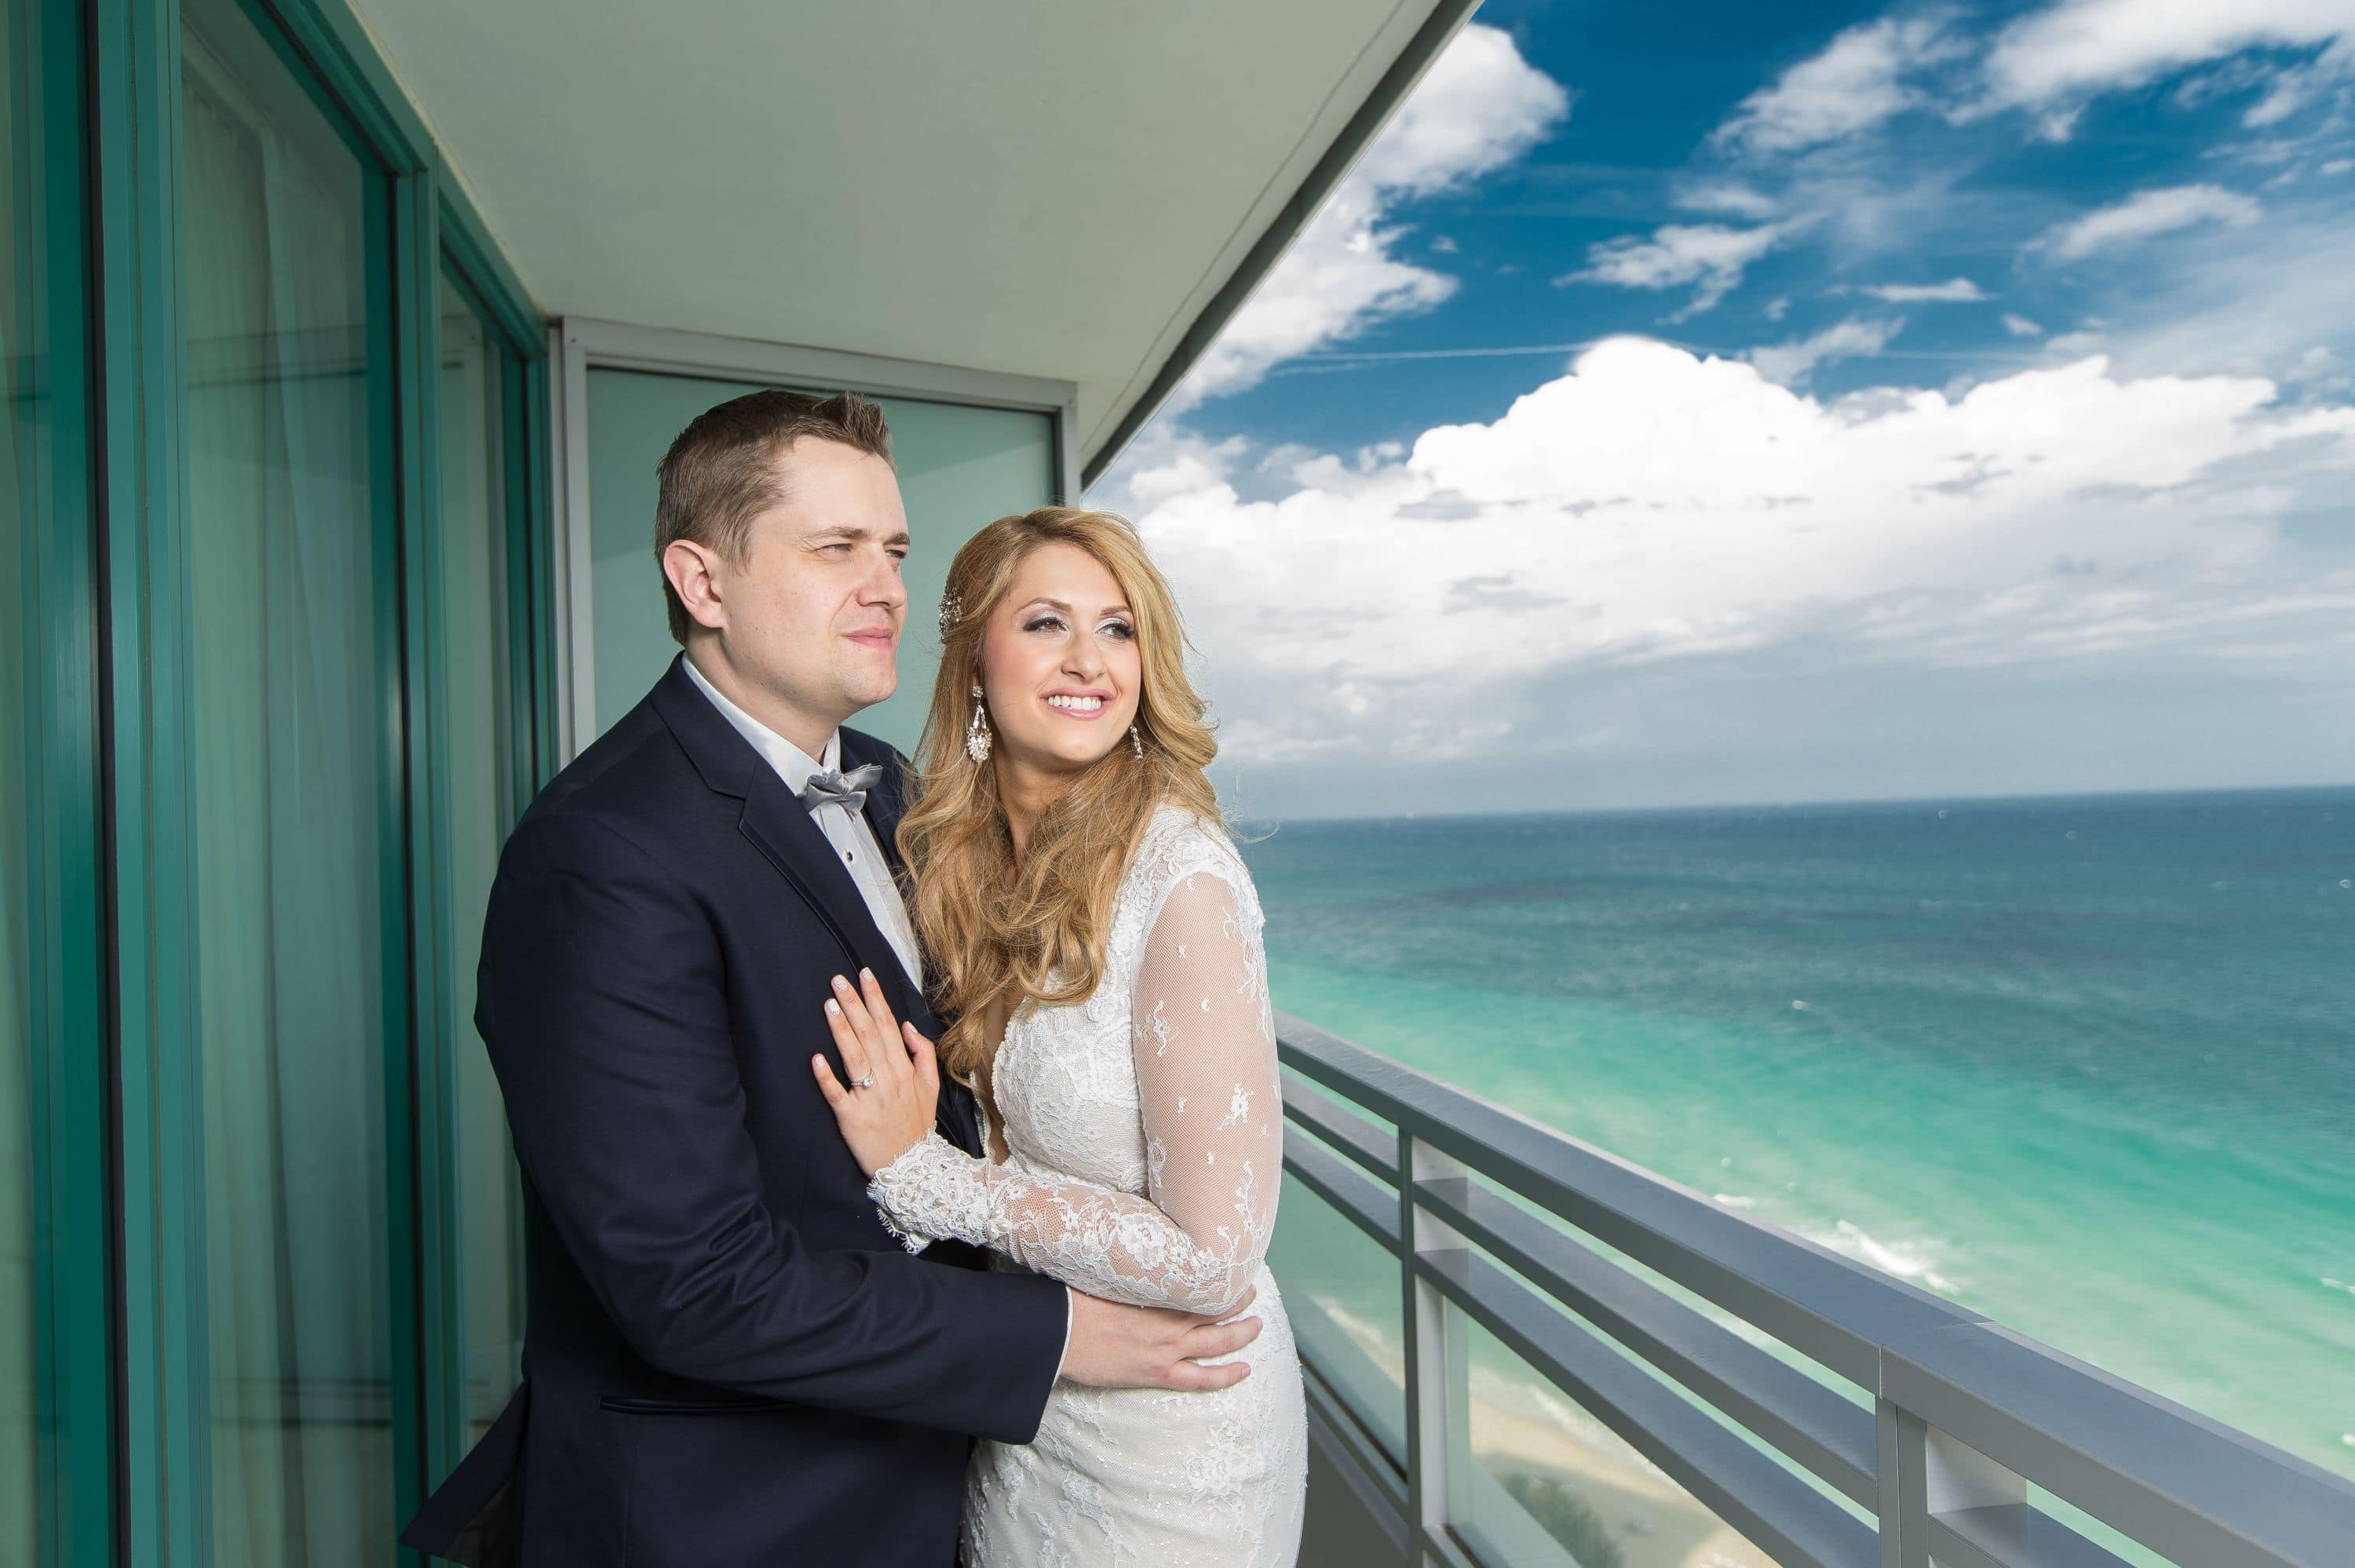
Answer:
(951, 610)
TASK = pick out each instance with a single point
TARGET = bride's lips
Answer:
(1104, 705)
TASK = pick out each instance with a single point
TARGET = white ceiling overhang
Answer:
(1080, 190)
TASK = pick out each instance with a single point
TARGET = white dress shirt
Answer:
(845, 829)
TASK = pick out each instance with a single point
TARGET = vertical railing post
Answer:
(1899, 1447)
(1926, 1473)
(1437, 1394)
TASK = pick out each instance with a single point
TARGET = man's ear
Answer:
(694, 573)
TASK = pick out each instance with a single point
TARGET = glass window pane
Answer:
(289, 687)
(959, 467)
(22, 501)
(482, 793)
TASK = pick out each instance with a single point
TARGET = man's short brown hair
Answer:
(727, 468)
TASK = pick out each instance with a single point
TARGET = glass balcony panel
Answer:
(1741, 1329)
(1341, 1291)
(1539, 1482)
(2124, 1547)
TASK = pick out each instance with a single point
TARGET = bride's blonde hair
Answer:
(994, 932)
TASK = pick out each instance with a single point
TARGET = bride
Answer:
(1096, 941)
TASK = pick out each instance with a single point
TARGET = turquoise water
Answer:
(2086, 1064)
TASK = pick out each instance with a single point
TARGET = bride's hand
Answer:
(884, 1120)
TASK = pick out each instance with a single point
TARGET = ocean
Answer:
(2086, 1065)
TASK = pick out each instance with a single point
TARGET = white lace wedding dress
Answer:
(1145, 1132)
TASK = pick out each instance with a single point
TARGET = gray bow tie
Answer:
(828, 788)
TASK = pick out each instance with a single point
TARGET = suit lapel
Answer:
(960, 1122)
(779, 827)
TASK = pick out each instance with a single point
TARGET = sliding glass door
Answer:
(293, 674)
(487, 781)
(56, 1431)
(24, 497)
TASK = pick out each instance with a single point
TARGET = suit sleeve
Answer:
(604, 1005)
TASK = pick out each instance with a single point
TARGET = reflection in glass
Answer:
(483, 784)
(23, 420)
(1342, 1292)
(1549, 1486)
(958, 467)
(289, 686)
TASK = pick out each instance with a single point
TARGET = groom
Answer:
(729, 1363)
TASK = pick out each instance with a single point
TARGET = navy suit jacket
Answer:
(729, 1362)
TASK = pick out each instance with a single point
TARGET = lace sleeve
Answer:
(1205, 1050)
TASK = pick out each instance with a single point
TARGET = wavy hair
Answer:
(993, 931)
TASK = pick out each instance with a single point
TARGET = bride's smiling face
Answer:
(1059, 668)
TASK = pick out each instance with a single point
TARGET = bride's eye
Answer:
(1045, 623)
(1120, 628)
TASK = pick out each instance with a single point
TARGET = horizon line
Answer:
(1785, 805)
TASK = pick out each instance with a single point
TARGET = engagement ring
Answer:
(866, 1083)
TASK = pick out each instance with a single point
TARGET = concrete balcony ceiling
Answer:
(1058, 188)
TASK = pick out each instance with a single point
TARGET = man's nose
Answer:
(884, 585)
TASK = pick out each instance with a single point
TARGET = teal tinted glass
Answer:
(24, 499)
(476, 376)
(1341, 1288)
(290, 680)
(959, 467)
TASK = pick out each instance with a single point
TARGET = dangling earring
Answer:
(976, 735)
(1136, 741)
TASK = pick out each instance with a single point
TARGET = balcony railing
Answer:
(1825, 1413)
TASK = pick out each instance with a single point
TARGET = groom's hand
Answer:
(1113, 1345)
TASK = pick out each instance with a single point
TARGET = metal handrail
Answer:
(1965, 1414)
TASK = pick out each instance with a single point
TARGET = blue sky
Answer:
(1710, 403)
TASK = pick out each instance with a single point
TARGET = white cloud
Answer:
(1791, 363)
(2053, 60)
(2293, 89)
(2243, 302)
(1727, 197)
(2020, 326)
(2339, 166)
(1858, 82)
(2147, 213)
(1479, 107)
(1709, 256)
(1953, 291)
(1649, 505)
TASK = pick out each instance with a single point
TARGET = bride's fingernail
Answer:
(834, 1006)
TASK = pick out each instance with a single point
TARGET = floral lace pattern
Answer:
(1145, 1133)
